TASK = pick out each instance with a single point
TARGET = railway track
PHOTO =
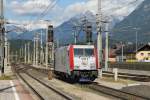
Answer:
(136, 77)
(38, 94)
(143, 78)
(110, 91)
(117, 93)
(43, 90)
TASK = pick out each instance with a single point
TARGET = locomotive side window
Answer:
(83, 52)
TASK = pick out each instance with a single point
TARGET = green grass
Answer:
(4, 77)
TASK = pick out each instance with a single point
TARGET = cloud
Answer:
(113, 8)
(119, 8)
(28, 25)
(29, 7)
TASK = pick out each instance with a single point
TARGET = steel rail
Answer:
(57, 91)
(117, 93)
(40, 97)
(66, 96)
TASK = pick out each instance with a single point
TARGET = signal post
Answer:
(49, 49)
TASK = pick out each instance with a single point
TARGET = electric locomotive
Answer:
(77, 62)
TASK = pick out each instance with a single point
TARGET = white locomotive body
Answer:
(78, 62)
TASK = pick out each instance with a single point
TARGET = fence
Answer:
(145, 66)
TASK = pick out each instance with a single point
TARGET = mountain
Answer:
(29, 35)
(65, 32)
(138, 21)
(12, 32)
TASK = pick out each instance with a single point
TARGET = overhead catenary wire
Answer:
(39, 17)
(50, 6)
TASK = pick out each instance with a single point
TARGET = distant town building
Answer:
(127, 54)
(143, 53)
(112, 55)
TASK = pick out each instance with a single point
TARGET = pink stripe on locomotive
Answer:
(71, 57)
(96, 58)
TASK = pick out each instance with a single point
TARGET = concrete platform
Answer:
(115, 85)
(123, 82)
(138, 88)
(13, 90)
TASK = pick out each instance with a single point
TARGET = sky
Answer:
(27, 12)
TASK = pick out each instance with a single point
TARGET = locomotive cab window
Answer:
(83, 52)
(89, 52)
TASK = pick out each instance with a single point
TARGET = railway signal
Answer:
(87, 28)
(89, 34)
(50, 34)
(49, 45)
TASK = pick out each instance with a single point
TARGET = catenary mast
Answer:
(2, 35)
(99, 32)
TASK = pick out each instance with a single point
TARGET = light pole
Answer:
(37, 50)
(28, 53)
(58, 43)
(25, 54)
(34, 51)
(46, 50)
(41, 51)
(20, 54)
(6, 53)
(136, 40)
(122, 52)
